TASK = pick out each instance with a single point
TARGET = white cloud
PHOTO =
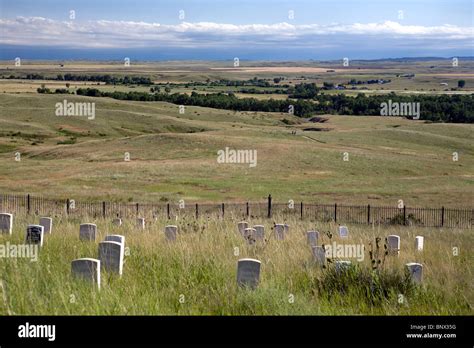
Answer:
(118, 34)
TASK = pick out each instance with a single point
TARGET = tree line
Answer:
(108, 79)
(437, 108)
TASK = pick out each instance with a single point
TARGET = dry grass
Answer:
(201, 265)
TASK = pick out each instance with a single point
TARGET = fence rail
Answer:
(383, 215)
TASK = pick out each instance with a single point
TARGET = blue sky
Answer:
(422, 12)
(258, 29)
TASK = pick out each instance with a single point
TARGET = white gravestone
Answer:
(111, 256)
(343, 232)
(88, 269)
(87, 232)
(35, 235)
(280, 231)
(313, 238)
(419, 243)
(259, 232)
(416, 271)
(171, 232)
(319, 255)
(117, 222)
(342, 265)
(248, 273)
(47, 223)
(141, 223)
(241, 226)
(249, 235)
(393, 244)
(6, 223)
(115, 238)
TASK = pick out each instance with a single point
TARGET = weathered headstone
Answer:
(415, 271)
(343, 232)
(115, 238)
(342, 265)
(171, 232)
(117, 222)
(86, 268)
(141, 223)
(393, 244)
(259, 232)
(35, 235)
(248, 273)
(279, 231)
(249, 235)
(47, 223)
(319, 255)
(87, 232)
(111, 256)
(419, 243)
(313, 238)
(241, 226)
(6, 223)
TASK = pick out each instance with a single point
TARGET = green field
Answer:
(174, 156)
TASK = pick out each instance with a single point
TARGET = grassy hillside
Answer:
(174, 156)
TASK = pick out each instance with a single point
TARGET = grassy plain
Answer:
(174, 156)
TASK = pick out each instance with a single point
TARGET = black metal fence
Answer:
(427, 217)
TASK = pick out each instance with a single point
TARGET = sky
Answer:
(224, 29)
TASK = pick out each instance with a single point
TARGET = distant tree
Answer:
(277, 79)
(167, 89)
(461, 83)
(68, 85)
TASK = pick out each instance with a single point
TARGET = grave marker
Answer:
(47, 223)
(248, 273)
(313, 238)
(171, 232)
(419, 243)
(6, 223)
(342, 265)
(117, 222)
(259, 232)
(287, 228)
(343, 232)
(115, 238)
(249, 235)
(241, 226)
(415, 271)
(393, 244)
(87, 232)
(87, 269)
(35, 235)
(111, 256)
(319, 255)
(280, 231)
(141, 223)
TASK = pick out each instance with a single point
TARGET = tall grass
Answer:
(196, 275)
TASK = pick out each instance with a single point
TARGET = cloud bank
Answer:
(39, 31)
